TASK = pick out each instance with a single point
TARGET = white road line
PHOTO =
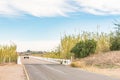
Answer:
(26, 73)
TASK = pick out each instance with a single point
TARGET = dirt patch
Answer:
(104, 63)
(11, 72)
(104, 60)
(109, 72)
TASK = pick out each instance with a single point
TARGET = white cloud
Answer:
(49, 8)
(100, 7)
(39, 8)
(5, 9)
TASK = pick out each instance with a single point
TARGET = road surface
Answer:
(42, 70)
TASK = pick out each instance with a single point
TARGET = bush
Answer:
(115, 39)
(84, 48)
(115, 43)
(79, 64)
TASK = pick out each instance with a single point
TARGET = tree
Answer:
(84, 48)
(115, 39)
(117, 29)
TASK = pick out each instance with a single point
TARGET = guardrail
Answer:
(59, 61)
(19, 60)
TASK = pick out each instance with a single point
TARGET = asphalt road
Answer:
(42, 70)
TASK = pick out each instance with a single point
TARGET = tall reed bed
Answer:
(69, 41)
(103, 42)
(8, 53)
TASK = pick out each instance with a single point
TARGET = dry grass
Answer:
(78, 64)
(104, 63)
(109, 72)
(104, 60)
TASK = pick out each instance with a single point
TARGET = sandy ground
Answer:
(111, 72)
(115, 73)
(11, 72)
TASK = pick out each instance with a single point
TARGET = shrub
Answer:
(115, 43)
(84, 48)
(79, 64)
(115, 39)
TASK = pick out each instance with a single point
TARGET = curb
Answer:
(26, 73)
(59, 61)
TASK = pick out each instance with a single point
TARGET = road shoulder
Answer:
(12, 72)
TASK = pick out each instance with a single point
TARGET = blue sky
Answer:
(40, 27)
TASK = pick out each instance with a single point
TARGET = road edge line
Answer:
(26, 73)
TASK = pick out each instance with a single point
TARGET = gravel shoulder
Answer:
(109, 72)
(12, 72)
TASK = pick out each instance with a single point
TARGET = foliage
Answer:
(8, 54)
(67, 43)
(52, 55)
(103, 42)
(117, 29)
(84, 48)
(115, 39)
(115, 43)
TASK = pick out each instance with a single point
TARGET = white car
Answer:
(26, 56)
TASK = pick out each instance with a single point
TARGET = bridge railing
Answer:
(59, 61)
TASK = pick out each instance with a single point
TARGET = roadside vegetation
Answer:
(115, 39)
(81, 45)
(106, 54)
(109, 59)
(88, 43)
(8, 54)
(86, 47)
